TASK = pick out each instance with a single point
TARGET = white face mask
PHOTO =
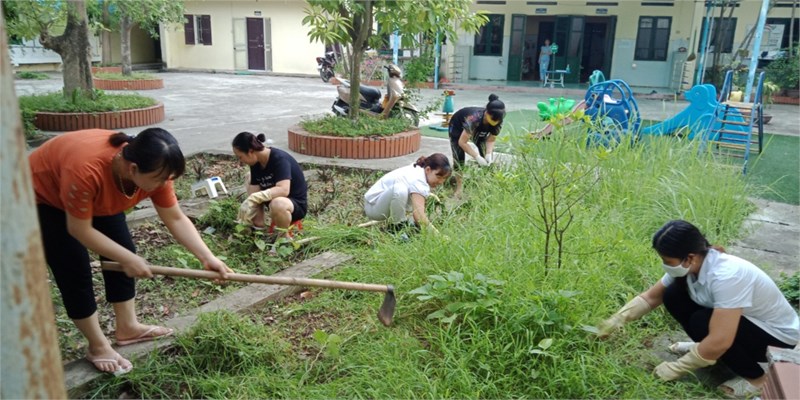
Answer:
(678, 271)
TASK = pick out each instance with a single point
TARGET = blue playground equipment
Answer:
(698, 118)
(614, 112)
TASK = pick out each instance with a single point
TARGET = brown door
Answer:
(255, 44)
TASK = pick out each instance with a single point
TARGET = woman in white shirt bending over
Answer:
(405, 189)
(729, 307)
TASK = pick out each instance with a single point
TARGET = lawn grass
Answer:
(494, 308)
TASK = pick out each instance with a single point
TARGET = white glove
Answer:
(631, 311)
(669, 371)
(481, 161)
(435, 198)
(490, 158)
(249, 208)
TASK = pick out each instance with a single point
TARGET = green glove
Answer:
(631, 311)
(669, 371)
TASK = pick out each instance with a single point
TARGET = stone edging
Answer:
(371, 147)
(49, 121)
(133, 84)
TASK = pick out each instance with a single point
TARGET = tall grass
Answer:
(528, 333)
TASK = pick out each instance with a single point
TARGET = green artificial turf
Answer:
(777, 169)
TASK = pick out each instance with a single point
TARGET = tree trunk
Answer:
(362, 25)
(105, 37)
(75, 50)
(125, 26)
(31, 366)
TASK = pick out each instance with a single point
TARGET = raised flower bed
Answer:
(52, 121)
(362, 147)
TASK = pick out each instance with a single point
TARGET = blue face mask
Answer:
(678, 271)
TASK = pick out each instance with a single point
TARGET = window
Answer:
(489, 40)
(723, 29)
(652, 40)
(197, 29)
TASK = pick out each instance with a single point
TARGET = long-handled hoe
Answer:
(385, 314)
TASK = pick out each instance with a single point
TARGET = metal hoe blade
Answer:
(386, 312)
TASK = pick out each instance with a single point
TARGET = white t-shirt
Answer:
(410, 176)
(727, 281)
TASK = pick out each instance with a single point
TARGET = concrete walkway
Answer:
(205, 111)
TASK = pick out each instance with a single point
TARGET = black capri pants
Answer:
(69, 261)
(749, 346)
(459, 156)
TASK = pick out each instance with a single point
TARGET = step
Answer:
(738, 104)
(729, 145)
(734, 133)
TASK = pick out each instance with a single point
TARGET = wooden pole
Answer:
(31, 362)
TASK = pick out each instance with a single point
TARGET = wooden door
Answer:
(255, 44)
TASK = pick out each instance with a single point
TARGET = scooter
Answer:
(370, 101)
(325, 66)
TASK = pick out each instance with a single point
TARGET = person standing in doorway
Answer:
(544, 59)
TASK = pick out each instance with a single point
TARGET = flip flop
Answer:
(739, 388)
(117, 372)
(146, 336)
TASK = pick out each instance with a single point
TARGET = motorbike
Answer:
(325, 66)
(372, 101)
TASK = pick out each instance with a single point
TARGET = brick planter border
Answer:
(396, 145)
(59, 122)
(133, 84)
(107, 70)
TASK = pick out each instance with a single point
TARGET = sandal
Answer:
(739, 388)
(119, 370)
(148, 335)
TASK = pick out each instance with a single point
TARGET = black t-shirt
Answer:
(281, 166)
(470, 119)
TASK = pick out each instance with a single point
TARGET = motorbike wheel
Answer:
(411, 116)
(325, 74)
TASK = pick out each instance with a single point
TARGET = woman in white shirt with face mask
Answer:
(729, 307)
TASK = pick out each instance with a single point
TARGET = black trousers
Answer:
(749, 346)
(69, 261)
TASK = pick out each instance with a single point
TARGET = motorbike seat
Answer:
(371, 94)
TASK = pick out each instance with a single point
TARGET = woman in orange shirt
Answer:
(84, 181)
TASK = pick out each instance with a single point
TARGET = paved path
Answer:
(205, 111)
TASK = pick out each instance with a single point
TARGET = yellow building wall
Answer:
(291, 50)
(142, 47)
(685, 33)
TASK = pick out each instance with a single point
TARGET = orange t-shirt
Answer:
(72, 172)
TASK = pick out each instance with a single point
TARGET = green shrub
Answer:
(417, 70)
(103, 102)
(136, 76)
(32, 75)
(790, 286)
(366, 125)
(783, 71)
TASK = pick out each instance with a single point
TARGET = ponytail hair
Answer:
(153, 149)
(437, 162)
(496, 108)
(246, 141)
(678, 238)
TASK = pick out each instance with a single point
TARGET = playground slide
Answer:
(548, 129)
(698, 117)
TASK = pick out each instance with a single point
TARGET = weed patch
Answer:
(365, 125)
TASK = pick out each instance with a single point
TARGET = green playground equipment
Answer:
(560, 106)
